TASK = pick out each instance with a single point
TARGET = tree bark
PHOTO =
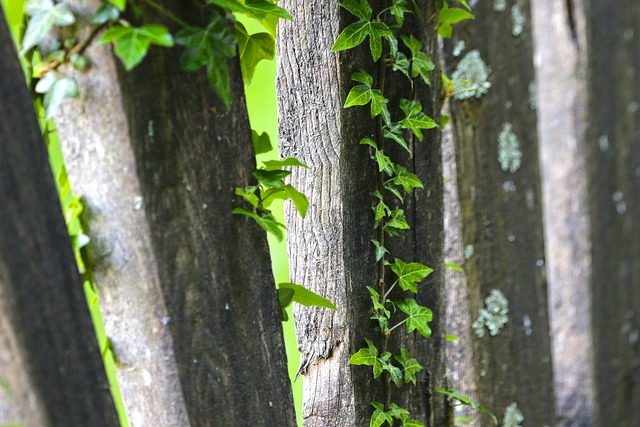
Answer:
(560, 49)
(613, 177)
(44, 310)
(498, 180)
(330, 250)
(194, 279)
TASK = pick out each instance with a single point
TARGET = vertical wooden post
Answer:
(42, 298)
(498, 179)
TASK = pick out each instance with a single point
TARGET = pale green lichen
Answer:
(517, 20)
(459, 48)
(533, 95)
(509, 154)
(493, 316)
(603, 142)
(513, 417)
(471, 76)
(499, 5)
(468, 251)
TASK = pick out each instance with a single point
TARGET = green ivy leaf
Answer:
(105, 13)
(271, 178)
(412, 423)
(415, 119)
(277, 164)
(410, 274)
(394, 373)
(397, 222)
(351, 36)
(454, 266)
(380, 250)
(377, 30)
(410, 366)
(407, 180)
(299, 200)
(381, 210)
(379, 416)
(248, 194)
(421, 63)
(258, 9)
(306, 297)
(210, 47)
(397, 412)
(454, 394)
(253, 49)
(132, 43)
(363, 94)
(365, 356)
(377, 305)
(285, 297)
(360, 9)
(449, 337)
(55, 89)
(449, 17)
(401, 63)
(418, 316)
(266, 221)
(398, 9)
(261, 142)
(394, 132)
(44, 15)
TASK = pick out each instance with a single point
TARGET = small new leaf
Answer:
(410, 274)
(415, 119)
(450, 16)
(377, 305)
(454, 394)
(418, 316)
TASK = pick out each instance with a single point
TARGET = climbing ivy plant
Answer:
(403, 54)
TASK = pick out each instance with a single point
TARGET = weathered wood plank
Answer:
(560, 51)
(613, 177)
(42, 295)
(498, 180)
(330, 251)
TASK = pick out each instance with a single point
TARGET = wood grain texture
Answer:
(560, 48)
(100, 163)
(330, 250)
(42, 295)
(613, 177)
(213, 266)
(502, 218)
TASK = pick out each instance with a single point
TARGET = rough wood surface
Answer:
(460, 373)
(330, 250)
(43, 304)
(213, 266)
(100, 164)
(502, 215)
(560, 52)
(613, 177)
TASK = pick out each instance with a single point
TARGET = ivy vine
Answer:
(395, 182)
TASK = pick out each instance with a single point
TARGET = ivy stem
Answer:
(79, 49)
(402, 322)
(386, 294)
(166, 13)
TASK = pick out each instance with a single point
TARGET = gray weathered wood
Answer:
(613, 177)
(560, 52)
(44, 310)
(214, 267)
(502, 216)
(330, 251)
(99, 159)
